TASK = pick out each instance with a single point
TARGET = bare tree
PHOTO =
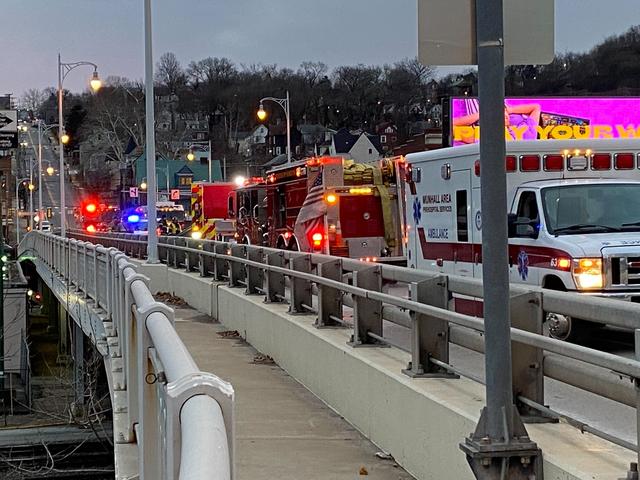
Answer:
(170, 73)
(33, 99)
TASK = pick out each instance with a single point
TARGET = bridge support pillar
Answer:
(78, 366)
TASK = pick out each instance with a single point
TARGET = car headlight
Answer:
(197, 235)
(587, 273)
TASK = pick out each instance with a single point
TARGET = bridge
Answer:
(380, 345)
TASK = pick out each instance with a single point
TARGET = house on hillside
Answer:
(362, 148)
(388, 134)
(277, 139)
(316, 139)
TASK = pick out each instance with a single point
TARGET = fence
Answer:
(181, 418)
(325, 285)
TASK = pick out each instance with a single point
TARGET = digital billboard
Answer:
(551, 118)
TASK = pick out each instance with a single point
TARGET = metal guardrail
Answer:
(428, 312)
(180, 417)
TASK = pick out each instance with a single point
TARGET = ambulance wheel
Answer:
(281, 244)
(574, 330)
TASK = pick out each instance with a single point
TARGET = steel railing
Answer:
(324, 285)
(180, 417)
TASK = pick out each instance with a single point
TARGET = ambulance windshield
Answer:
(591, 208)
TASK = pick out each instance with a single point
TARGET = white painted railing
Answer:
(180, 418)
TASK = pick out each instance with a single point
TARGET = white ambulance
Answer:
(574, 217)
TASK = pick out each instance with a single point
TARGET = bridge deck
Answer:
(282, 430)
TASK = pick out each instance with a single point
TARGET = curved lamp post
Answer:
(284, 103)
(96, 83)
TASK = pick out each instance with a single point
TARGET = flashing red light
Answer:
(37, 297)
(529, 163)
(91, 228)
(601, 161)
(511, 163)
(553, 163)
(91, 208)
(624, 161)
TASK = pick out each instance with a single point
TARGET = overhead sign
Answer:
(8, 129)
(557, 118)
(133, 192)
(175, 194)
(447, 32)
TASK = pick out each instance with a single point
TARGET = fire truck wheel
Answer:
(281, 244)
(293, 245)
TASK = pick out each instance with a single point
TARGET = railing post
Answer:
(191, 262)
(301, 292)
(528, 374)
(255, 275)
(206, 262)
(237, 272)
(367, 313)
(95, 275)
(329, 298)
(219, 264)
(429, 335)
(178, 393)
(275, 283)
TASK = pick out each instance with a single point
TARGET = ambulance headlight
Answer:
(587, 273)
(196, 235)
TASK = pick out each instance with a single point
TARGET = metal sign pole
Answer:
(500, 443)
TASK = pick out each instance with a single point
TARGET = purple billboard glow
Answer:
(551, 118)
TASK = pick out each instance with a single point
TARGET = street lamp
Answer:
(50, 169)
(284, 103)
(24, 181)
(63, 71)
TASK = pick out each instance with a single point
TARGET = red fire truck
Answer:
(326, 205)
(212, 208)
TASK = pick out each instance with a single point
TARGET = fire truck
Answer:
(327, 205)
(574, 223)
(212, 207)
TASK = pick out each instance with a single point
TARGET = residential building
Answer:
(277, 139)
(316, 139)
(363, 147)
(388, 134)
(431, 139)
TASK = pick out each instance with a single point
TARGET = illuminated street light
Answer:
(143, 186)
(284, 103)
(65, 138)
(262, 114)
(63, 71)
(95, 82)
(50, 170)
(191, 157)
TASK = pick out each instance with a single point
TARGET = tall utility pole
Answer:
(2, 265)
(500, 445)
(152, 234)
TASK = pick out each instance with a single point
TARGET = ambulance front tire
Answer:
(565, 327)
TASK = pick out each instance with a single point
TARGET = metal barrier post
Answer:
(301, 293)
(255, 275)
(275, 283)
(329, 299)
(528, 375)
(237, 272)
(367, 313)
(191, 259)
(219, 264)
(206, 262)
(429, 335)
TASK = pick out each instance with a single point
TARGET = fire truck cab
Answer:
(574, 221)
(358, 209)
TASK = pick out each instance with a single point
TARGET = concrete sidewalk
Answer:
(283, 431)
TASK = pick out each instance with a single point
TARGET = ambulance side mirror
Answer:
(521, 227)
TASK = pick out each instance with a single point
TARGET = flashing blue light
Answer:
(133, 218)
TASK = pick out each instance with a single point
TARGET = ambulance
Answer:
(573, 218)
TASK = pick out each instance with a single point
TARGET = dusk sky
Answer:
(285, 32)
